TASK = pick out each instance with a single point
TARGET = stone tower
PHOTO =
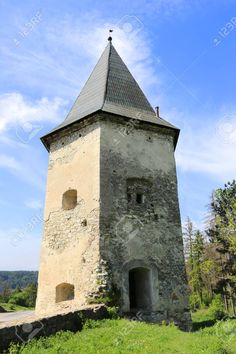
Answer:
(112, 230)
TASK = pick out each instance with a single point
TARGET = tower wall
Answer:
(125, 225)
(144, 233)
(70, 246)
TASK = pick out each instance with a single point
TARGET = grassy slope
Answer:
(10, 307)
(202, 315)
(123, 336)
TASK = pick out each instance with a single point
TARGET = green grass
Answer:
(202, 315)
(11, 307)
(123, 336)
(203, 318)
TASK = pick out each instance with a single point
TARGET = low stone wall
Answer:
(27, 330)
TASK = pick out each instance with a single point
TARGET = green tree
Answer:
(5, 293)
(196, 271)
(223, 234)
(31, 294)
(24, 297)
(188, 233)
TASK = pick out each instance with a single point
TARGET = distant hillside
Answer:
(13, 279)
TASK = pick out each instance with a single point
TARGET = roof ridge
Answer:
(108, 69)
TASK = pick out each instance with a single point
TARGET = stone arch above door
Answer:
(154, 286)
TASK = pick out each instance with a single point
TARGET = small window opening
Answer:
(139, 198)
(69, 199)
(65, 292)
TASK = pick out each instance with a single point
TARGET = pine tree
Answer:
(223, 235)
(188, 233)
(197, 256)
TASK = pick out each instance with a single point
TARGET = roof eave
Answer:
(55, 132)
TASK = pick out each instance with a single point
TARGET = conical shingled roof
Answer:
(112, 88)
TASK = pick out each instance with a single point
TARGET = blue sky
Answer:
(182, 53)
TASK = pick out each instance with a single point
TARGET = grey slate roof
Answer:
(112, 88)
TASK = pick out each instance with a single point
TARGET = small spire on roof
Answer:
(110, 38)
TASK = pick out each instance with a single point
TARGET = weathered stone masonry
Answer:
(70, 247)
(42, 327)
(148, 234)
(112, 229)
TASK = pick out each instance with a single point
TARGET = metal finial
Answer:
(110, 38)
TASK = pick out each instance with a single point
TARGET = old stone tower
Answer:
(112, 227)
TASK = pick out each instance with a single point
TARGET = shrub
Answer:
(216, 308)
(194, 302)
(113, 312)
(25, 297)
(89, 324)
(18, 299)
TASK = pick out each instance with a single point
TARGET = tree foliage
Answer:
(211, 256)
(25, 297)
(18, 287)
(14, 279)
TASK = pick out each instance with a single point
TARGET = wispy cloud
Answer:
(9, 162)
(26, 164)
(210, 149)
(17, 110)
(41, 65)
(33, 204)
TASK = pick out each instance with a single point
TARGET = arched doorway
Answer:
(140, 289)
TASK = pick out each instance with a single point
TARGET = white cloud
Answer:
(60, 56)
(21, 120)
(77, 37)
(17, 111)
(34, 204)
(210, 149)
(26, 164)
(10, 162)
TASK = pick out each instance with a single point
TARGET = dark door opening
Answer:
(139, 289)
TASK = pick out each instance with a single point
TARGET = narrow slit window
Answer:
(139, 198)
(129, 197)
